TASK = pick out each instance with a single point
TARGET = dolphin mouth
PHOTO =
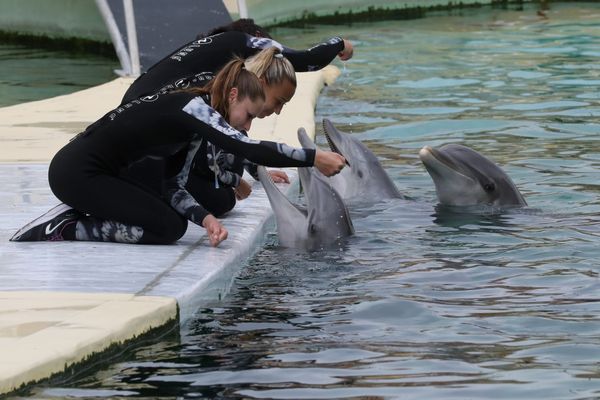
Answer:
(331, 143)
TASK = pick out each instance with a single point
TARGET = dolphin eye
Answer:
(489, 187)
(360, 174)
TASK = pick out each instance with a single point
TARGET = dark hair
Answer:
(245, 25)
(233, 74)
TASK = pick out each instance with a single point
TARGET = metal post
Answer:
(132, 37)
(242, 8)
(113, 31)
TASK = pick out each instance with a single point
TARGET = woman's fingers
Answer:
(329, 163)
(215, 230)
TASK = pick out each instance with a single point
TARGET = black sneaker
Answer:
(49, 226)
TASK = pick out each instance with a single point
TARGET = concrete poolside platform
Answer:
(61, 303)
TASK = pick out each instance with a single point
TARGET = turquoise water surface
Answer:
(28, 74)
(422, 303)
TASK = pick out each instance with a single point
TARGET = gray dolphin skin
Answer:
(464, 177)
(324, 223)
(364, 177)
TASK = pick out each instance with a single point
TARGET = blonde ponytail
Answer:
(232, 75)
(270, 65)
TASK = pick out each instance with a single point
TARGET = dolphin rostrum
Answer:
(464, 177)
(364, 178)
(325, 221)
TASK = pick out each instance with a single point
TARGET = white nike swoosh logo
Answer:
(50, 230)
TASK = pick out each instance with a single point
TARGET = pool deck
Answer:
(61, 303)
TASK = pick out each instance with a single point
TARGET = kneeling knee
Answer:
(175, 231)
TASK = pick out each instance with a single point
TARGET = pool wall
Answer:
(273, 12)
(56, 19)
(80, 19)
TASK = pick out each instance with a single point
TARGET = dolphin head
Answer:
(324, 223)
(328, 221)
(291, 220)
(328, 217)
(464, 177)
(364, 176)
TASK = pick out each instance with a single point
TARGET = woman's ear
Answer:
(233, 95)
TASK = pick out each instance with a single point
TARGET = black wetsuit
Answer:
(214, 175)
(194, 65)
(85, 174)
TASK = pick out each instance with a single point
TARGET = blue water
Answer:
(422, 304)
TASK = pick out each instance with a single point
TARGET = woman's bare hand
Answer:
(243, 190)
(348, 51)
(215, 230)
(328, 162)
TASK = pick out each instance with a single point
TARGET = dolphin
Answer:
(325, 221)
(364, 177)
(464, 177)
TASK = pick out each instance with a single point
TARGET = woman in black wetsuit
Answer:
(196, 62)
(216, 180)
(216, 177)
(99, 205)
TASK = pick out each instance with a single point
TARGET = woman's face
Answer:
(242, 112)
(276, 97)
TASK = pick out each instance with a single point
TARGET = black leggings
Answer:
(216, 201)
(149, 174)
(81, 183)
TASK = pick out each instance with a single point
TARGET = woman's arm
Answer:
(320, 55)
(311, 59)
(177, 195)
(208, 124)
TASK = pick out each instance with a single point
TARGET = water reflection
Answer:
(469, 216)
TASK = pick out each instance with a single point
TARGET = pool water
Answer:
(28, 73)
(422, 303)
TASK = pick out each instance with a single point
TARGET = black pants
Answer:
(79, 181)
(216, 201)
(149, 174)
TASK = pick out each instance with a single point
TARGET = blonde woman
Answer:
(195, 63)
(99, 205)
(216, 177)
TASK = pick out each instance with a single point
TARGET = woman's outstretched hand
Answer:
(243, 190)
(215, 230)
(328, 162)
(348, 51)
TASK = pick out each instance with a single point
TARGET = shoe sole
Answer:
(42, 219)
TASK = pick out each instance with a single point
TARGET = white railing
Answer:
(134, 53)
(130, 60)
(242, 8)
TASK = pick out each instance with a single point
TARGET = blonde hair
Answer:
(270, 65)
(232, 75)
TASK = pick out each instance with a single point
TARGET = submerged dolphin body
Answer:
(464, 177)
(326, 220)
(364, 178)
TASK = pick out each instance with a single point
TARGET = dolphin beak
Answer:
(428, 158)
(425, 152)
